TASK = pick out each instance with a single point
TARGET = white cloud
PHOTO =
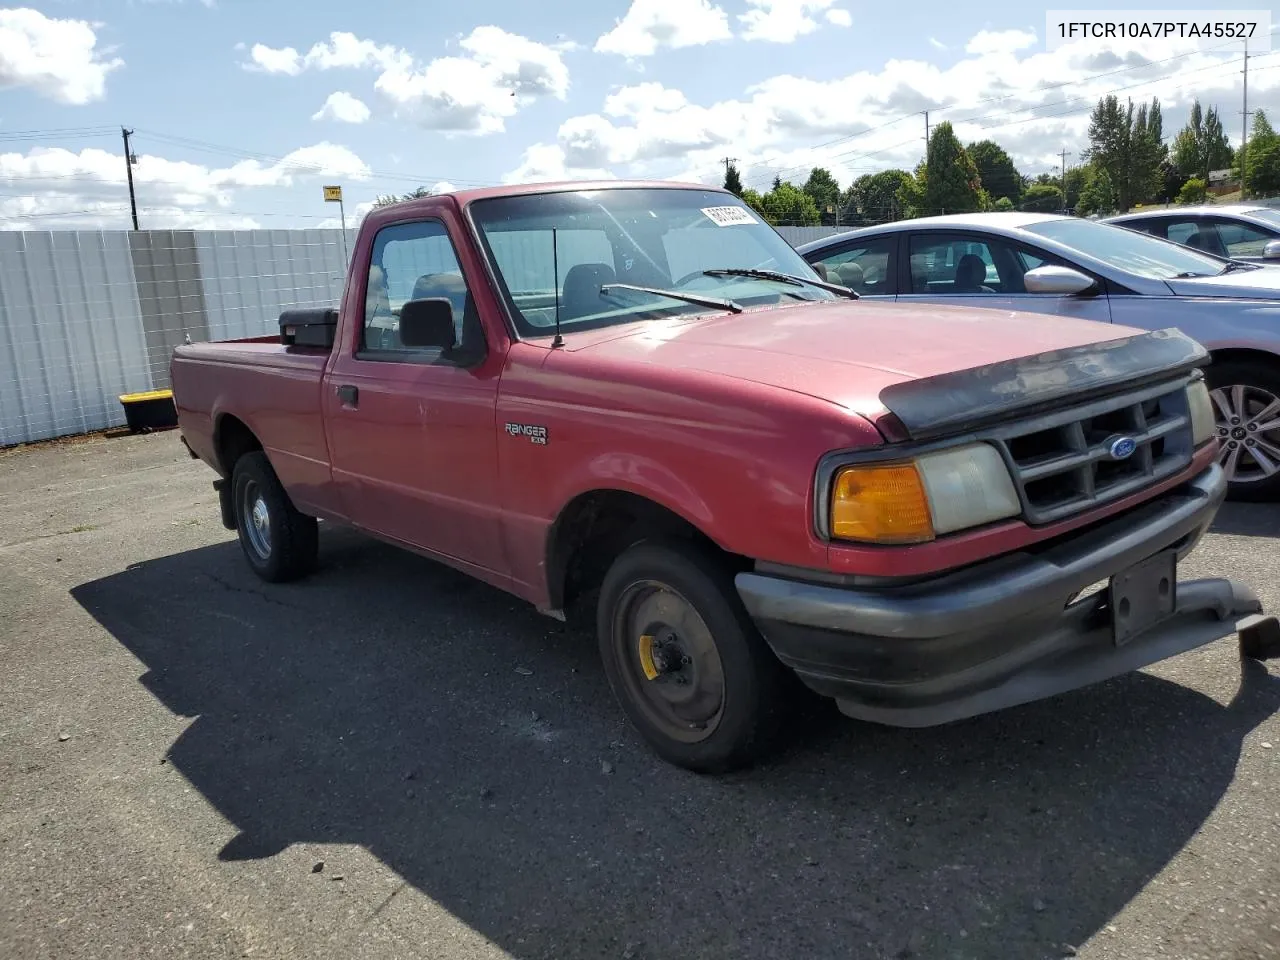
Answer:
(56, 58)
(651, 24)
(342, 50)
(545, 162)
(1034, 102)
(840, 18)
(781, 21)
(937, 44)
(354, 216)
(476, 93)
(344, 108)
(643, 98)
(62, 188)
(1000, 41)
(497, 74)
(443, 186)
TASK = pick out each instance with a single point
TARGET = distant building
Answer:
(1223, 181)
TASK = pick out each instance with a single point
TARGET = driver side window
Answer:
(864, 267)
(413, 261)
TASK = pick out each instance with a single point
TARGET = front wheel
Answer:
(280, 543)
(685, 661)
(1246, 401)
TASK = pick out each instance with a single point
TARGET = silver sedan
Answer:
(1241, 231)
(1071, 267)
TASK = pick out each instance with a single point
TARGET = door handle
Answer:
(349, 395)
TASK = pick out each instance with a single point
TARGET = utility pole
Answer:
(1064, 178)
(129, 160)
(726, 161)
(926, 139)
(1244, 125)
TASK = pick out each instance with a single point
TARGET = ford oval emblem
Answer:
(1121, 448)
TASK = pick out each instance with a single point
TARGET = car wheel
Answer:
(685, 661)
(1246, 401)
(280, 543)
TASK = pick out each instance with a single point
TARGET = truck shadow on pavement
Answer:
(388, 702)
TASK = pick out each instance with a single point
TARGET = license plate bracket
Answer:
(1143, 595)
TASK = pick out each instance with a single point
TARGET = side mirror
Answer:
(427, 323)
(1059, 280)
(1272, 250)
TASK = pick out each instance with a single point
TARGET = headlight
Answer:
(1202, 416)
(917, 500)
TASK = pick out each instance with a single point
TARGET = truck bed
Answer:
(281, 385)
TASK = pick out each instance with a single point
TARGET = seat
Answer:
(1206, 241)
(971, 271)
(851, 276)
(581, 295)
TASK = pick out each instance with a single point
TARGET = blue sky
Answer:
(228, 97)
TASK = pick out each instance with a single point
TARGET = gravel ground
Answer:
(391, 760)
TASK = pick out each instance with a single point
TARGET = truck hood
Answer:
(842, 351)
(1263, 284)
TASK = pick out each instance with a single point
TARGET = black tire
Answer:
(1259, 379)
(756, 690)
(292, 544)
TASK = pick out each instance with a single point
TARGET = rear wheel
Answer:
(280, 543)
(685, 661)
(1246, 401)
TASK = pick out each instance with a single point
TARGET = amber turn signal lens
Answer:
(884, 503)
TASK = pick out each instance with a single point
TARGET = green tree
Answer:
(875, 195)
(415, 194)
(1004, 205)
(951, 184)
(788, 205)
(1098, 194)
(1076, 179)
(733, 179)
(1147, 151)
(1042, 198)
(825, 191)
(999, 177)
(1201, 145)
(1170, 182)
(1126, 144)
(1262, 158)
(754, 200)
(1193, 191)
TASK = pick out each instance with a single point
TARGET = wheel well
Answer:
(1243, 355)
(232, 440)
(594, 528)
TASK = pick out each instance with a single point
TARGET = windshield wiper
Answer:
(676, 295)
(1235, 265)
(780, 278)
(1190, 275)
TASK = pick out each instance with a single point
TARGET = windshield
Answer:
(1271, 217)
(662, 238)
(1129, 250)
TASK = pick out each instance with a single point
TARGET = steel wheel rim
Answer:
(257, 520)
(1247, 423)
(686, 700)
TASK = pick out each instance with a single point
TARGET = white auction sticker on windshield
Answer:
(728, 216)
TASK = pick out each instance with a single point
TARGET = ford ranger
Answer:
(638, 398)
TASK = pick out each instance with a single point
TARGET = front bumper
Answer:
(1004, 632)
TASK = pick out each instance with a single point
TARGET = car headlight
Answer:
(1203, 420)
(916, 500)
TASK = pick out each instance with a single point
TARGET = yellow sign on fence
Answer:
(332, 194)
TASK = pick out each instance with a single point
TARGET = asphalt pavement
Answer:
(392, 760)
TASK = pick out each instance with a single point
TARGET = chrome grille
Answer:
(1062, 463)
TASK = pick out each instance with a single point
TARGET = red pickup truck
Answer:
(640, 396)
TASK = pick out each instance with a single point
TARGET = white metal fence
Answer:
(86, 316)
